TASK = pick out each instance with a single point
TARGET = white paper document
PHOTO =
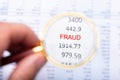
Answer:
(105, 14)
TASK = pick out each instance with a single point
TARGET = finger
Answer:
(14, 34)
(17, 49)
(28, 67)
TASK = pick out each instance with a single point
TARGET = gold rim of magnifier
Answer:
(90, 23)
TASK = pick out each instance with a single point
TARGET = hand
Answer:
(19, 41)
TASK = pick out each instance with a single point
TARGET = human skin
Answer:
(19, 40)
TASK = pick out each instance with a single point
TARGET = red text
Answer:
(70, 37)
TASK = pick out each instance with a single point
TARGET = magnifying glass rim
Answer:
(57, 17)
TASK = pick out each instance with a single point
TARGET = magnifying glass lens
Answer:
(69, 40)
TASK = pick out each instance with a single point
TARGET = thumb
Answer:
(28, 67)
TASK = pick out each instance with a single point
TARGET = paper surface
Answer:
(104, 13)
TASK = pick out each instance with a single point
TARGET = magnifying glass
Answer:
(69, 40)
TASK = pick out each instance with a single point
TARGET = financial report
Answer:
(105, 14)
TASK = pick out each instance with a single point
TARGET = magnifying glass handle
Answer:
(37, 49)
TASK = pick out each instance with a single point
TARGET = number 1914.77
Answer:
(70, 45)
